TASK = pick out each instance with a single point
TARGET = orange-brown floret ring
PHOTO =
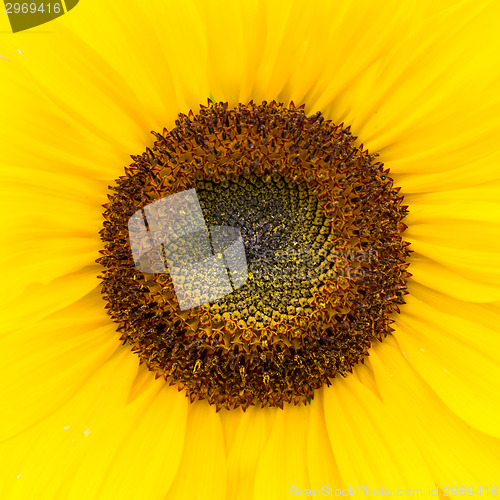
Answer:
(272, 341)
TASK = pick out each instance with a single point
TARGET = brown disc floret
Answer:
(322, 230)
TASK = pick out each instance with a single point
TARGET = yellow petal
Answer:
(456, 319)
(455, 453)
(355, 39)
(423, 92)
(443, 66)
(50, 226)
(465, 247)
(278, 475)
(233, 47)
(451, 282)
(370, 447)
(448, 352)
(474, 203)
(477, 171)
(246, 435)
(135, 451)
(65, 93)
(44, 365)
(202, 470)
(46, 457)
(39, 301)
(321, 463)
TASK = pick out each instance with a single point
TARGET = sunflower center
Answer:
(287, 259)
(282, 228)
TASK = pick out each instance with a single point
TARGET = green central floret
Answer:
(321, 225)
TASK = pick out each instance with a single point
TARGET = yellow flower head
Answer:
(357, 411)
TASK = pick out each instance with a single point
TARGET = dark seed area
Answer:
(283, 228)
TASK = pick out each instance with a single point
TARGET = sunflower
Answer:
(85, 415)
